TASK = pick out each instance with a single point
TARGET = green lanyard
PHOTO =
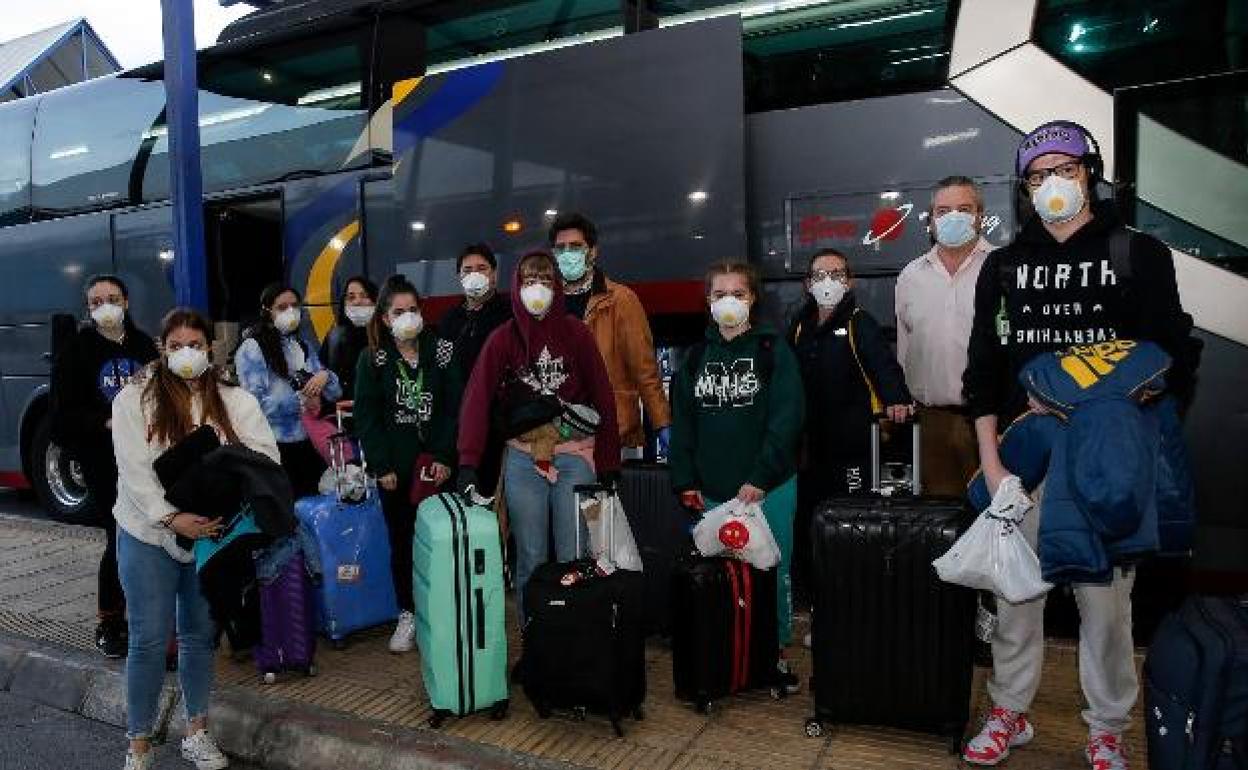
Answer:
(412, 401)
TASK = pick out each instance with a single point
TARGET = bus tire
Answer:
(57, 479)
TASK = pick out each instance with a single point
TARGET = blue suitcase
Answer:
(357, 591)
(1196, 687)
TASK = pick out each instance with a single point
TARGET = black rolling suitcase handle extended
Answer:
(916, 471)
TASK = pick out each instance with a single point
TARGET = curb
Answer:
(276, 733)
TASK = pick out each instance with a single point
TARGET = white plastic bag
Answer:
(739, 530)
(993, 554)
(602, 514)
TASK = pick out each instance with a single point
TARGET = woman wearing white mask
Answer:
(468, 325)
(281, 369)
(341, 349)
(406, 405)
(737, 412)
(160, 406)
(90, 369)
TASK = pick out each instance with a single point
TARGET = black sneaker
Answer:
(786, 679)
(112, 638)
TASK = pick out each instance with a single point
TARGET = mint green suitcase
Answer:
(460, 599)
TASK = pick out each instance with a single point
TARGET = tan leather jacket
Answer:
(618, 322)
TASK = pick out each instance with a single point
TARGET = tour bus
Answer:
(342, 136)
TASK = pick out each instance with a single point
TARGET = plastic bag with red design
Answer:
(738, 530)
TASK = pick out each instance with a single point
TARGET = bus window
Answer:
(276, 110)
(86, 140)
(833, 51)
(16, 119)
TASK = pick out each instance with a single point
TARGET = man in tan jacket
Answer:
(619, 325)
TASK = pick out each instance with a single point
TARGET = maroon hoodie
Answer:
(561, 352)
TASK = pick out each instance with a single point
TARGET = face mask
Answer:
(730, 311)
(1058, 200)
(287, 320)
(828, 292)
(108, 316)
(188, 363)
(407, 326)
(955, 228)
(537, 298)
(359, 315)
(572, 264)
(475, 285)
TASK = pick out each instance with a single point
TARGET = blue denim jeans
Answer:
(535, 507)
(158, 587)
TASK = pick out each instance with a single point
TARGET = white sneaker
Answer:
(404, 635)
(201, 750)
(144, 761)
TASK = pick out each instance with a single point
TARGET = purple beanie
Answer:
(1058, 136)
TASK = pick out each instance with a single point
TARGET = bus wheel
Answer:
(57, 479)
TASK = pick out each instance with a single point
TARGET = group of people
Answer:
(778, 418)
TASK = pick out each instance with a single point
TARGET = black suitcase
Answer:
(892, 644)
(724, 630)
(584, 649)
(661, 528)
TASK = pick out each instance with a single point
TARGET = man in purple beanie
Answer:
(1075, 275)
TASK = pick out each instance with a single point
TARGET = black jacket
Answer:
(88, 372)
(838, 399)
(1056, 295)
(341, 351)
(468, 329)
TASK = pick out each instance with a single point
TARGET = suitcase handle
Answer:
(602, 492)
(916, 471)
(338, 455)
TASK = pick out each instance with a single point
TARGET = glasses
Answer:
(1065, 171)
(837, 275)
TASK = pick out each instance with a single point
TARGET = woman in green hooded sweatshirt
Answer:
(406, 404)
(737, 411)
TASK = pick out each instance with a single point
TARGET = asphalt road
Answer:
(35, 737)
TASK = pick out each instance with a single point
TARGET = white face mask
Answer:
(954, 229)
(828, 292)
(730, 311)
(476, 285)
(1058, 200)
(108, 316)
(359, 315)
(407, 326)
(537, 298)
(188, 363)
(287, 320)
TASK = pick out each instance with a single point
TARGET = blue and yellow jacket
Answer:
(1117, 480)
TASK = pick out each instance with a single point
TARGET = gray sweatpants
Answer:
(1106, 650)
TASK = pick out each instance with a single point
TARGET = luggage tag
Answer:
(348, 573)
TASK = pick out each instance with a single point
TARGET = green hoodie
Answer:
(401, 412)
(728, 428)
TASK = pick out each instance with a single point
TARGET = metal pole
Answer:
(190, 274)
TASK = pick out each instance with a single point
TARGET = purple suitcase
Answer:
(287, 623)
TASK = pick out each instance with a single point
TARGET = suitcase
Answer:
(1196, 687)
(357, 591)
(287, 623)
(661, 528)
(457, 564)
(892, 644)
(584, 648)
(724, 634)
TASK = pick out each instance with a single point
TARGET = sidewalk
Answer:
(363, 696)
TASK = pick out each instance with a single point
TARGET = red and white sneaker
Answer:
(1105, 752)
(1003, 730)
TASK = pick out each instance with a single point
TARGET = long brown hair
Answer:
(395, 285)
(170, 395)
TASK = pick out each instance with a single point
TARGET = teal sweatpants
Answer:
(779, 508)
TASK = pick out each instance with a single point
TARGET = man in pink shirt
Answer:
(935, 308)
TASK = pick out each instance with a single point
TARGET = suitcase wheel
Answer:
(438, 719)
(499, 712)
(579, 713)
(814, 728)
(270, 677)
(310, 670)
